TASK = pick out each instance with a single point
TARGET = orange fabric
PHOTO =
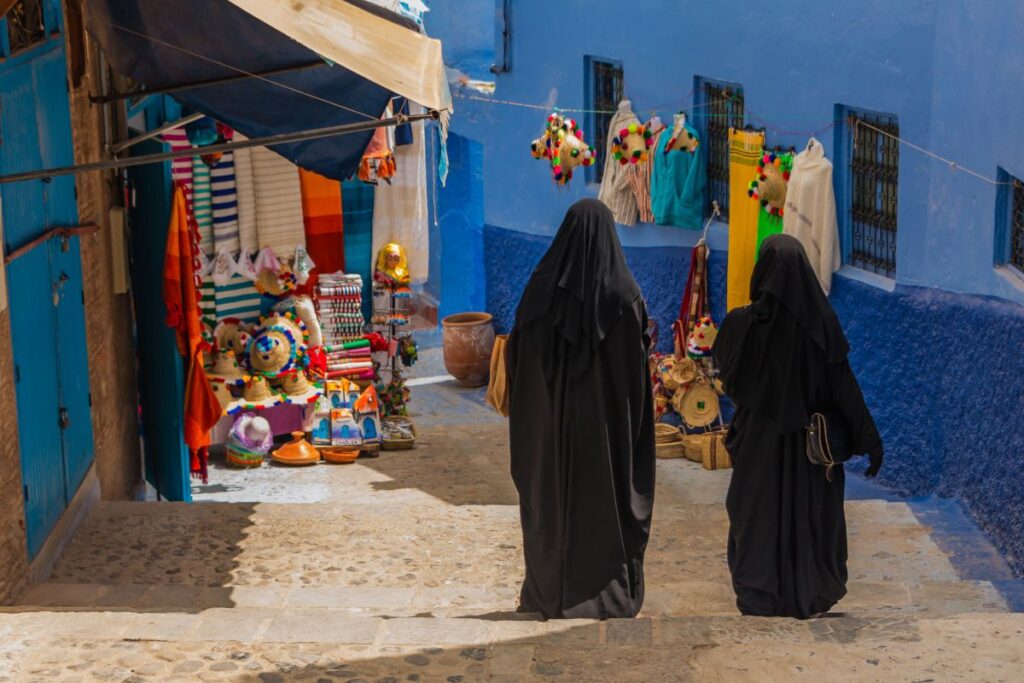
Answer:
(321, 215)
(181, 296)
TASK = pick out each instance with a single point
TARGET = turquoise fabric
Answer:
(677, 185)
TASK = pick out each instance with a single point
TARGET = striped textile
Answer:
(225, 203)
(357, 214)
(325, 234)
(202, 203)
(181, 168)
(245, 190)
(278, 202)
(238, 299)
(208, 303)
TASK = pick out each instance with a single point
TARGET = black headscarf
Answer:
(773, 353)
(582, 286)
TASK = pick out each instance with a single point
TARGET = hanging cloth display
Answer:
(640, 174)
(238, 298)
(810, 213)
(278, 202)
(678, 179)
(615, 190)
(181, 168)
(769, 188)
(202, 410)
(245, 192)
(400, 209)
(744, 153)
(202, 203)
(378, 162)
(224, 194)
(694, 305)
(322, 218)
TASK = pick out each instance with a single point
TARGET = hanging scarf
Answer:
(695, 299)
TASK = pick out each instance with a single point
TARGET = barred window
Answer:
(874, 190)
(25, 25)
(605, 89)
(1010, 229)
(718, 107)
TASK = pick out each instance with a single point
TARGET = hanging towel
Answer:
(208, 304)
(181, 168)
(223, 190)
(677, 184)
(400, 209)
(357, 215)
(767, 225)
(202, 410)
(278, 202)
(322, 217)
(238, 299)
(615, 191)
(245, 190)
(202, 203)
(744, 151)
(810, 213)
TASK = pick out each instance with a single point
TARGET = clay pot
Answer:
(468, 340)
(298, 451)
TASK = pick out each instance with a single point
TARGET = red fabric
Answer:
(695, 299)
(322, 219)
(181, 296)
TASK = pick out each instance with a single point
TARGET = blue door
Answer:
(45, 287)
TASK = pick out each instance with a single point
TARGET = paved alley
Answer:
(406, 568)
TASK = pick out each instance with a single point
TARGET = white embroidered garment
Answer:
(615, 190)
(810, 213)
(400, 209)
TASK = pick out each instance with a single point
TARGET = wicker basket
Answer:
(708, 448)
(668, 441)
(398, 444)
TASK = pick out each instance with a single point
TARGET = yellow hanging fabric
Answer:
(744, 151)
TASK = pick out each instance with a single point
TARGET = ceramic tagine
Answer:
(298, 451)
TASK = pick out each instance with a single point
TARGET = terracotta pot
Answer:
(468, 340)
(298, 451)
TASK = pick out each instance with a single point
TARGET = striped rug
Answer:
(278, 203)
(223, 192)
(238, 299)
(202, 203)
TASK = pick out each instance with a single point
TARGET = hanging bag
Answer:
(695, 299)
(497, 387)
(828, 441)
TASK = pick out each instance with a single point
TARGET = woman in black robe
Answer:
(581, 423)
(782, 358)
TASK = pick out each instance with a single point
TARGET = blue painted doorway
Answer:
(45, 284)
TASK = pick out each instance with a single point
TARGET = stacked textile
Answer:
(339, 303)
(350, 359)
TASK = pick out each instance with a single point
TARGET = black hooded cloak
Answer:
(782, 358)
(581, 422)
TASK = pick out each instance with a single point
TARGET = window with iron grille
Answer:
(1010, 227)
(605, 87)
(25, 25)
(874, 167)
(718, 107)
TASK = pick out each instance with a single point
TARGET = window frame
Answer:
(1009, 192)
(595, 172)
(843, 181)
(701, 121)
(49, 28)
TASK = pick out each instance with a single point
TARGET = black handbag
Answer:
(828, 441)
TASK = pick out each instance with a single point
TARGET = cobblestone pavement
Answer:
(406, 568)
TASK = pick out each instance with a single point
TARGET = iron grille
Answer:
(607, 79)
(724, 110)
(1017, 226)
(874, 172)
(25, 25)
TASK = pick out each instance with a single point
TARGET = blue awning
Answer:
(162, 43)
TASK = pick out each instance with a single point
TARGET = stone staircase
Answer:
(407, 567)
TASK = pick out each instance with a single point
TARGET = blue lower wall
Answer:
(942, 373)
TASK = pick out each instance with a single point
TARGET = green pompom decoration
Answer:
(557, 161)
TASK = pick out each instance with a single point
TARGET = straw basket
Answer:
(398, 444)
(668, 442)
(708, 448)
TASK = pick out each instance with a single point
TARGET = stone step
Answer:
(383, 546)
(682, 598)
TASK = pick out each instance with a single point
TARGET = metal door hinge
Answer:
(63, 418)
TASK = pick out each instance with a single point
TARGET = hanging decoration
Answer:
(632, 144)
(563, 146)
(769, 187)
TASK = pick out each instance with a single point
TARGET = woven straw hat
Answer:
(698, 405)
(225, 369)
(223, 393)
(256, 396)
(297, 389)
(683, 371)
(276, 283)
(233, 334)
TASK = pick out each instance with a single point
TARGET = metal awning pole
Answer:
(148, 135)
(115, 96)
(269, 140)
